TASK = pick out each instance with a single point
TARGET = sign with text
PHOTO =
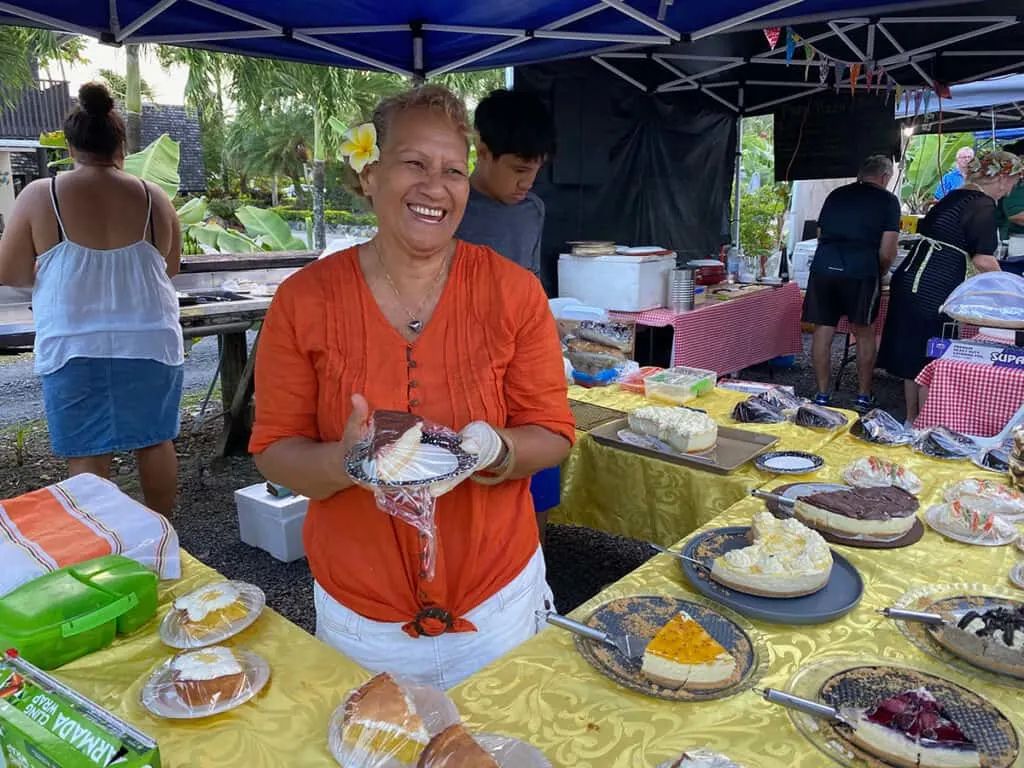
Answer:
(995, 355)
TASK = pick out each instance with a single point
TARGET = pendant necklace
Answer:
(415, 325)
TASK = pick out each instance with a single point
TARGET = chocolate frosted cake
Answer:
(394, 444)
(885, 513)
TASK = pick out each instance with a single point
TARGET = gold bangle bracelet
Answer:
(505, 468)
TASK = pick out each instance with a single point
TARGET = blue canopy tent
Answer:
(987, 106)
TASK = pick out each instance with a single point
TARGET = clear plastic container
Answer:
(679, 385)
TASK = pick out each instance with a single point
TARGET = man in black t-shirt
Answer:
(858, 230)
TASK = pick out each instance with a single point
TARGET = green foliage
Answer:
(927, 160)
(224, 207)
(342, 218)
(119, 86)
(21, 46)
(268, 229)
(763, 210)
(157, 163)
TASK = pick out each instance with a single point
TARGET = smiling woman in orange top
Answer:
(416, 321)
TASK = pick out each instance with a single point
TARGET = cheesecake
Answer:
(883, 512)
(379, 725)
(785, 559)
(394, 445)
(992, 639)
(683, 655)
(912, 730)
(683, 430)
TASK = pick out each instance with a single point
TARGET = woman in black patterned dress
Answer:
(959, 236)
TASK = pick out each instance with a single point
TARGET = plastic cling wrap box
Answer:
(45, 724)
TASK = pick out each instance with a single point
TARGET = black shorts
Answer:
(832, 297)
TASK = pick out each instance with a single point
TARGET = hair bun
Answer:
(95, 99)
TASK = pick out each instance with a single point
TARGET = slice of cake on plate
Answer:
(992, 638)
(683, 430)
(455, 747)
(209, 609)
(785, 559)
(913, 730)
(396, 440)
(683, 655)
(965, 517)
(882, 512)
(990, 495)
(207, 677)
(873, 472)
(379, 725)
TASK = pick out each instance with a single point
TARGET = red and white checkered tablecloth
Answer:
(728, 336)
(970, 398)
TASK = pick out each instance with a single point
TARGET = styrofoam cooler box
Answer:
(623, 283)
(272, 524)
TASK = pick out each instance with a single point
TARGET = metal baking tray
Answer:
(735, 447)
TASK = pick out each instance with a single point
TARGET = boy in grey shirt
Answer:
(514, 136)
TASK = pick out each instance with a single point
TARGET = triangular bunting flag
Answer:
(823, 65)
(899, 95)
(917, 102)
(809, 57)
(854, 76)
(927, 101)
(870, 77)
(943, 91)
(790, 45)
(840, 71)
(771, 34)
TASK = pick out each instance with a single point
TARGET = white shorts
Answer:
(503, 621)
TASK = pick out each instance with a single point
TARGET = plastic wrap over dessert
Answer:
(782, 399)
(407, 462)
(758, 410)
(818, 417)
(942, 443)
(993, 299)
(212, 614)
(988, 496)
(456, 747)
(387, 723)
(204, 682)
(700, 758)
(878, 426)
(876, 472)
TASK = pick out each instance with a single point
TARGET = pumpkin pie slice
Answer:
(683, 655)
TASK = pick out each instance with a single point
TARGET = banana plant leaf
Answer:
(192, 212)
(268, 228)
(157, 163)
(216, 237)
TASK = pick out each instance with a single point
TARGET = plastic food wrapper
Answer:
(818, 417)
(878, 426)
(634, 382)
(994, 299)
(599, 350)
(456, 747)
(203, 682)
(44, 722)
(679, 384)
(989, 496)
(140, 533)
(943, 443)
(997, 458)
(782, 399)
(701, 758)
(755, 410)
(212, 614)
(874, 472)
(407, 462)
(387, 723)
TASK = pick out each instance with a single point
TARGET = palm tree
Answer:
(23, 51)
(271, 143)
(119, 86)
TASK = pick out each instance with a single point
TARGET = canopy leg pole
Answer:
(736, 181)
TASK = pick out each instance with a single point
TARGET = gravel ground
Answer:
(581, 561)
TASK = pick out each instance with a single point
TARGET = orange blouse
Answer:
(490, 352)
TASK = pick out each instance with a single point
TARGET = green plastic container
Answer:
(77, 610)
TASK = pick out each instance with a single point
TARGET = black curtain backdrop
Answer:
(632, 167)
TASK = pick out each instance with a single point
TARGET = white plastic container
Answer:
(622, 283)
(271, 524)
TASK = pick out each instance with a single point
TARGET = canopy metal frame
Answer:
(495, 40)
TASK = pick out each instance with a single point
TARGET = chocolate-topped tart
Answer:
(883, 513)
(991, 638)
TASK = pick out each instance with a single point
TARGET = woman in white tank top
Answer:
(98, 247)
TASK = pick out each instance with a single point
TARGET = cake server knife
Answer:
(899, 614)
(630, 646)
(806, 706)
(680, 555)
(782, 501)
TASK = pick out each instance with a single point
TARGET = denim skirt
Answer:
(100, 405)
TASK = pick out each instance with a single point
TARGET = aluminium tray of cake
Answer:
(46, 724)
(734, 448)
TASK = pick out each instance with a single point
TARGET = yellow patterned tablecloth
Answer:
(545, 692)
(624, 493)
(285, 725)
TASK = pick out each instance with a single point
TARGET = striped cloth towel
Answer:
(79, 519)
